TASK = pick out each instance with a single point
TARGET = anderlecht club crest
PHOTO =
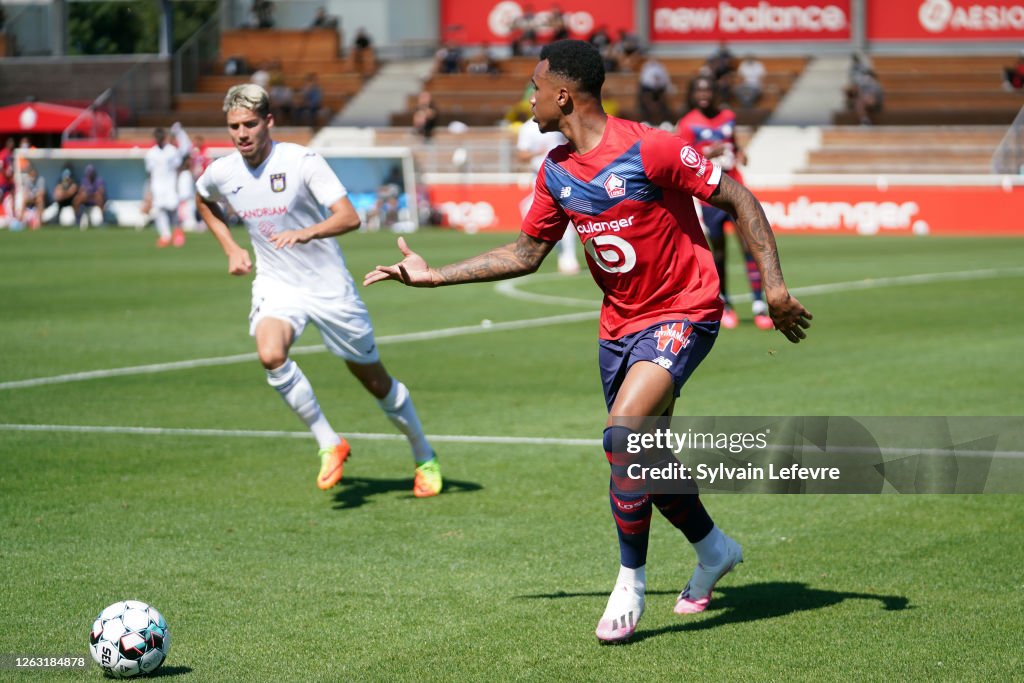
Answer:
(277, 182)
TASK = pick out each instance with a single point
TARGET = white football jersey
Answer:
(162, 166)
(288, 191)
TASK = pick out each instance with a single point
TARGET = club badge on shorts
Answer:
(277, 182)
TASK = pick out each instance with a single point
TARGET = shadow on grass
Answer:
(739, 604)
(169, 671)
(357, 491)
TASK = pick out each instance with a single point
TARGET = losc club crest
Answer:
(277, 182)
(614, 186)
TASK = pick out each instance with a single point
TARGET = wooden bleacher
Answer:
(487, 149)
(484, 100)
(291, 53)
(904, 149)
(942, 90)
(214, 136)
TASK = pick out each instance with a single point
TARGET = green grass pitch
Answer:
(263, 577)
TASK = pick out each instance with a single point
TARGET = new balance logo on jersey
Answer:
(614, 186)
(277, 182)
(675, 334)
(663, 362)
(566, 191)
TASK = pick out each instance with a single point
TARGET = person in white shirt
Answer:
(751, 72)
(163, 160)
(532, 147)
(279, 190)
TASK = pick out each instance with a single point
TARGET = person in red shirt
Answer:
(711, 129)
(628, 189)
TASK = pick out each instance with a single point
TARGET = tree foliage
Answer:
(132, 26)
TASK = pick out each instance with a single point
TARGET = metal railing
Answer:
(197, 54)
(1009, 155)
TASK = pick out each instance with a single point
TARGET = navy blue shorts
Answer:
(678, 346)
(714, 219)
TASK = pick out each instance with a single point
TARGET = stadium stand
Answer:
(291, 53)
(942, 90)
(480, 149)
(906, 149)
(485, 99)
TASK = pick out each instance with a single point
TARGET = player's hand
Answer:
(789, 316)
(288, 238)
(239, 263)
(411, 270)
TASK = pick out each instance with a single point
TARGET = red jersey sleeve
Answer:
(546, 219)
(672, 164)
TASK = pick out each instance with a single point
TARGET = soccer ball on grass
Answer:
(129, 638)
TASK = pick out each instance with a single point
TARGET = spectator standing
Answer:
(532, 147)
(163, 162)
(751, 87)
(722, 64)
(323, 20)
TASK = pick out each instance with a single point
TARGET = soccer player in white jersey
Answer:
(279, 189)
(163, 160)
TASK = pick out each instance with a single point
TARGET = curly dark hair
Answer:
(577, 61)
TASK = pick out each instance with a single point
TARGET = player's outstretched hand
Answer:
(411, 270)
(790, 317)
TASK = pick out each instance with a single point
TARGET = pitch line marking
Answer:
(460, 438)
(300, 350)
(507, 288)
(510, 288)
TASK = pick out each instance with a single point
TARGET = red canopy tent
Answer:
(42, 118)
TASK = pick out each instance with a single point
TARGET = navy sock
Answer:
(631, 508)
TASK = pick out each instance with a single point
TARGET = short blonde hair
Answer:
(248, 96)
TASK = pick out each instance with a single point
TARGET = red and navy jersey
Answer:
(630, 201)
(702, 132)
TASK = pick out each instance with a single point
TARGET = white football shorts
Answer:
(343, 321)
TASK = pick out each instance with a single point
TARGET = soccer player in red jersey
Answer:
(628, 189)
(711, 129)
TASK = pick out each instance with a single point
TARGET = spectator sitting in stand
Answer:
(868, 97)
(424, 116)
(482, 61)
(653, 94)
(91, 197)
(362, 50)
(1013, 76)
(628, 51)
(751, 72)
(311, 101)
(324, 20)
(448, 60)
(261, 76)
(263, 13)
(722, 65)
(282, 99)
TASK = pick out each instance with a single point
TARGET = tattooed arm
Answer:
(511, 260)
(789, 316)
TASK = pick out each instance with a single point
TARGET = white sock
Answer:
(397, 405)
(628, 594)
(711, 548)
(297, 392)
(162, 223)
